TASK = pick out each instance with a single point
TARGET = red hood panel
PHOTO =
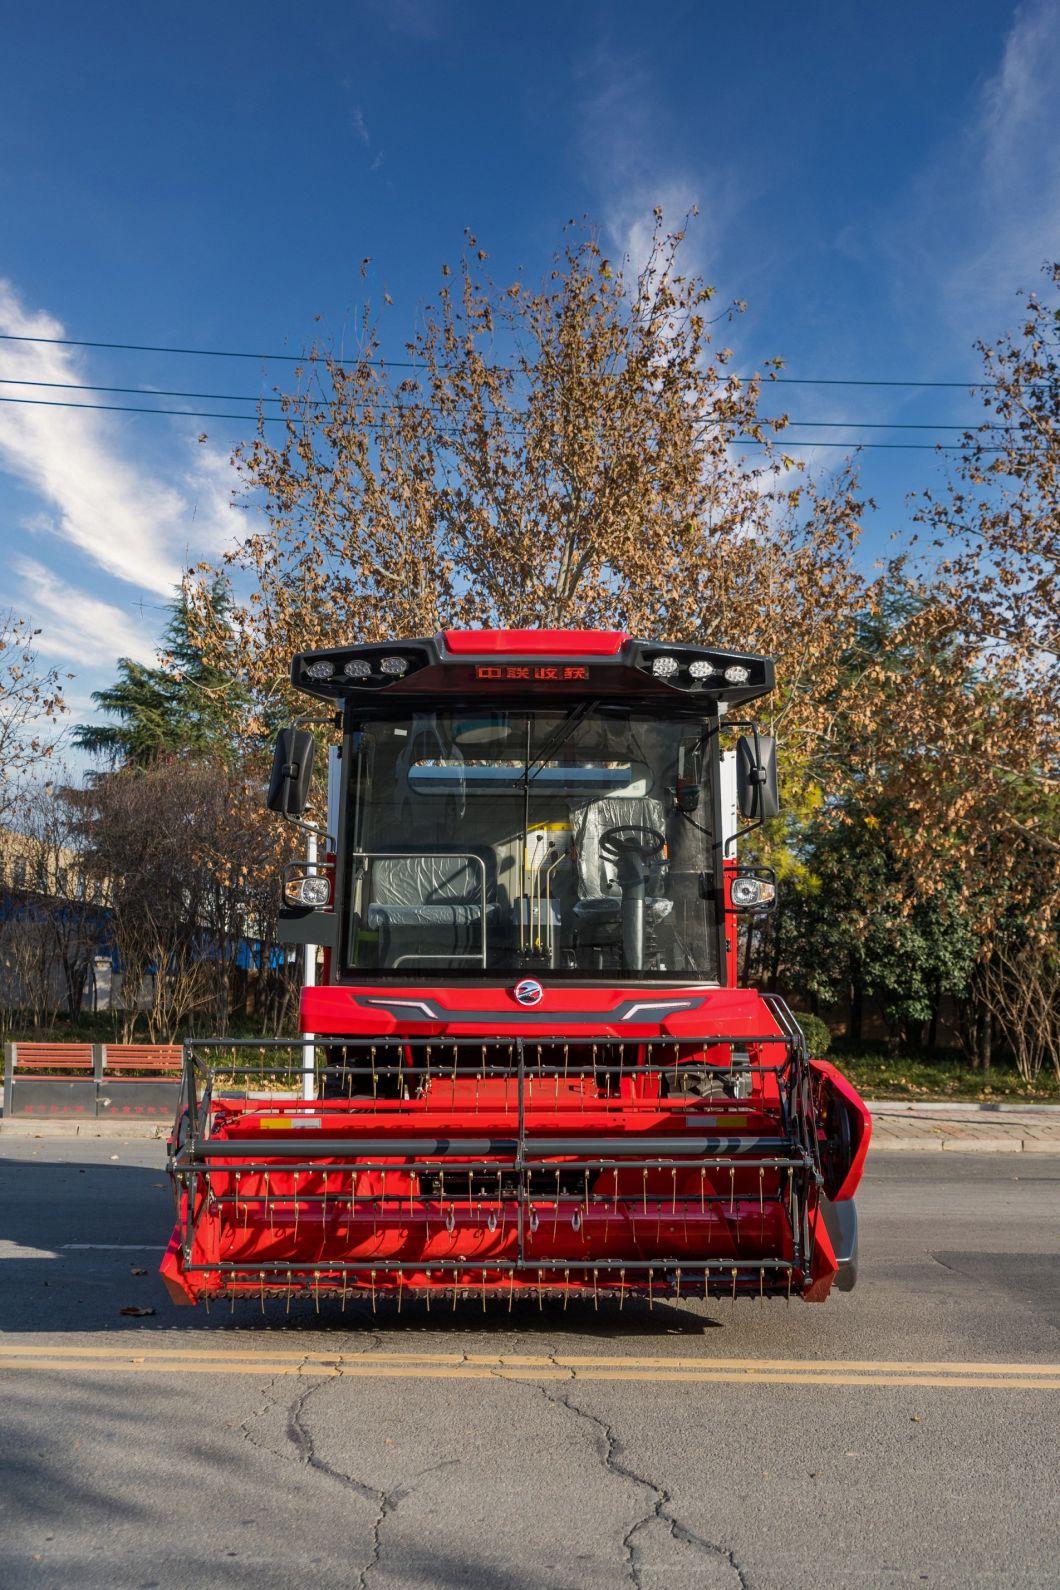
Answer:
(561, 1012)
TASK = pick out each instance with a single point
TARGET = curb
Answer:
(113, 1129)
(899, 1107)
(965, 1145)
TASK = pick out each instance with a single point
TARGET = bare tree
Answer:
(189, 865)
(31, 701)
(1020, 988)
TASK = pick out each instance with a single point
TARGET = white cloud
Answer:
(983, 216)
(624, 153)
(78, 628)
(1018, 144)
(108, 506)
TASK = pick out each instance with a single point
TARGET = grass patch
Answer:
(926, 1078)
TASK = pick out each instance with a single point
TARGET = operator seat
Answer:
(598, 908)
(428, 908)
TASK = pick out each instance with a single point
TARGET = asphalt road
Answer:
(534, 1448)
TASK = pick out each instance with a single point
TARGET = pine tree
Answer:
(182, 706)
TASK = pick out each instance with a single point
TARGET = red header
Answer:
(535, 642)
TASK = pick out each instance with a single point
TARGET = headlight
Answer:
(747, 892)
(702, 669)
(321, 669)
(664, 667)
(314, 891)
(737, 674)
(357, 668)
(395, 666)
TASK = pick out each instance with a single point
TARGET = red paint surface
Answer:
(339, 1009)
(535, 642)
(860, 1121)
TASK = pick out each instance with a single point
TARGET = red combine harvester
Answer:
(530, 1068)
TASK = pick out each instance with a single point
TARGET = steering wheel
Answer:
(631, 839)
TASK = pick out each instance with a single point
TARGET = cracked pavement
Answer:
(539, 1475)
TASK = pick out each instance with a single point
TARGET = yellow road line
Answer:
(152, 1359)
(146, 1346)
(366, 1370)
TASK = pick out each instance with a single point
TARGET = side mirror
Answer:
(756, 777)
(292, 768)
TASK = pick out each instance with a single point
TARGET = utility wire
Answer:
(319, 403)
(408, 364)
(782, 442)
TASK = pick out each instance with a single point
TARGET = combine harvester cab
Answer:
(529, 1068)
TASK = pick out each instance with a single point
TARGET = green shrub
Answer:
(815, 1032)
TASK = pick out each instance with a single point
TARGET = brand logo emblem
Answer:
(528, 992)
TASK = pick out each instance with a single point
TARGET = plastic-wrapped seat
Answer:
(598, 908)
(430, 907)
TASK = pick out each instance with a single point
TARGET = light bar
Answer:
(697, 669)
(355, 668)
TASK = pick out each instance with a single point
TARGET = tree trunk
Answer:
(986, 1037)
(854, 1021)
(933, 1024)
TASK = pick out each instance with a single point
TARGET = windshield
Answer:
(492, 841)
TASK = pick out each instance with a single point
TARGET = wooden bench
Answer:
(50, 1059)
(154, 1059)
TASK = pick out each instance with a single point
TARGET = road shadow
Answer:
(80, 1242)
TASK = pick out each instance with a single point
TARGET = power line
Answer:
(408, 364)
(782, 443)
(320, 403)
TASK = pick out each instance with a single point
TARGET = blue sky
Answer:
(875, 182)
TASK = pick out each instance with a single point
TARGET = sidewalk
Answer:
(897, 1127)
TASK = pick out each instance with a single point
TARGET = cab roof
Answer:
(535, 665)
